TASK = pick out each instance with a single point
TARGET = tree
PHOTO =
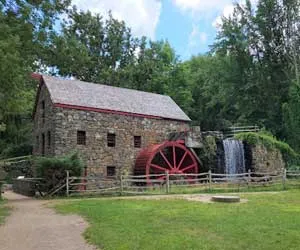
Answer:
(258, 41)
(24, 29)
(90, 48)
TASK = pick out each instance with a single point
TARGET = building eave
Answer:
(68, 106)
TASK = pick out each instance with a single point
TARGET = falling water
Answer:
(234, 156)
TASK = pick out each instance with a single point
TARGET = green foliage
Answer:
(294, 167)
(24, 32)
(53, 169)
(269, 141)
(292, 116)
(71, 162)
(180, 224)
(263, 47)
(208, 153)
(250, 76)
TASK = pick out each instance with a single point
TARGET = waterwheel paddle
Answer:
(170, 156)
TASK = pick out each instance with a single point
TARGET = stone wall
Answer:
(97, 155)
(44, 125)
(266, 160)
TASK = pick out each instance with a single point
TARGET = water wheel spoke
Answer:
(165, 158)
(174, 157)
(158, 167)
(182, 159)
(170, 156)
(188, 167)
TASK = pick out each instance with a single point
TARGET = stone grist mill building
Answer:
(115, 130)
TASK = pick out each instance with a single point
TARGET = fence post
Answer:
(167, 182)
(283, 178)
(249, 177)
(121, 185)
(209, 180)
(67, 183)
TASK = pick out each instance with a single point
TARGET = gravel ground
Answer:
(33, 226)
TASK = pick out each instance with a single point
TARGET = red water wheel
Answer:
(170, 156)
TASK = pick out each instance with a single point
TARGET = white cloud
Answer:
(141, 15)
(227, 12)
(201, 5)
(197, 37)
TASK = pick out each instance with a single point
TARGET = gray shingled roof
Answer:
(91, 95)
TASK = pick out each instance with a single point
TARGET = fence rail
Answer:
(232, 131)
(168, 183)
(18, 159)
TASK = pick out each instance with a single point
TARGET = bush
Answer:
(294, 167)
(208, 153)
(53, 169)
(270, 142)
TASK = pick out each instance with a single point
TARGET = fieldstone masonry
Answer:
(266, 160)
(96, 153)
(62, 124)
(44, 125)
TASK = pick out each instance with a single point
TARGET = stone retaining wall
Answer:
(266, 160)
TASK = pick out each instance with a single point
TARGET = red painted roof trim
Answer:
(68, 106)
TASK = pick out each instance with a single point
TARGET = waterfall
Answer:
(234, 156)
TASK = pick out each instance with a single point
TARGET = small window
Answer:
(137, 140)
(43, 144)
(81, 137)
(111, 171)
(43, 111)
(37, 142)
(111, 140)
(49, 139)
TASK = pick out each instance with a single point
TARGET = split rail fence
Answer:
(232, 131)
(182, 183)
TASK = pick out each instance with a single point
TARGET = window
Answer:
(111, 140)
(81, 137)
(49, 139)
(37, 142)
(43, 144)
(137, 141)
(43, 111)
(111, 171)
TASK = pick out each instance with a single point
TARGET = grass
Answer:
(3, 210)
(266, 221)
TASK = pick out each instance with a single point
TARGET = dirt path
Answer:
(33, 226)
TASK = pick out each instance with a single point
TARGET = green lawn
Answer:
(266, 221)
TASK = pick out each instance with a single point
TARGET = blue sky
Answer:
(187, 36)
(189, 25)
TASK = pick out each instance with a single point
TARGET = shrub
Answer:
(53, 169)
(270, 142)
(294, 167)
(208, 153)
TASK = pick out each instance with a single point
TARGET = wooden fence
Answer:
(11, 161)
(178, 183)
(232, 131)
